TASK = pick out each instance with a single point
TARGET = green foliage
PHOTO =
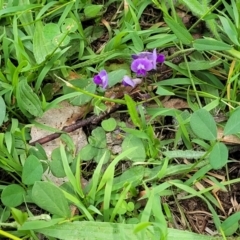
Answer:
(50, 53)
(12, 195)
(44, 194)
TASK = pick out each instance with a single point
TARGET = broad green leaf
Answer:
(108, 231)
(233, 124)
(28, 101)
(56, 165)
(116, 76)
(50, 198)
(231, 225)
(230, 29)
(19, 216)
(131, 141)
(13, 195)
(218, 156)
(88, 152)
(98, 138)
(109, 124)
(137, 41)
(196, 6)
(2, 110)
(163, 91)
(32, 170)
(41, 46)
(26, 18)
(92, 11)
(203, 125)
(61, 40)
(210, 44)
(50, 30)
(69, 25)
(181, 32)
(200, 65)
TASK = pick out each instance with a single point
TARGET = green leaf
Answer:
(230, 29)
(32, 170)
(137, 41)
(50, 198)
(210, 44)
(42, 47)
(108, 231)
(100, 153)
(188, 154)
(132, 110)
(218, 156)
(12, 195)
(2, 110)
(50, 30)
(200, 65)
(233, 124)
(28, 100)
(92, 11)
(131, 141)
(61, 40)
(69, 25)
(109, 124)
(56, 165)
(19, 216)
(203, 125)
(163, 91)
(166, 38)
(98, 138)
(39, 224)
(231, 224)
(116, 76)
(181, 32)
(88, 152)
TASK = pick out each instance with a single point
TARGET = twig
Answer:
(67, 129)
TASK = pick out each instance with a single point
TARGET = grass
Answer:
(161, 157)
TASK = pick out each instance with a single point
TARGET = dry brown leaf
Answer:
(57, 118)
(176, 103)
(229, 139)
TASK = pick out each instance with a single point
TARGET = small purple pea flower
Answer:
(101, 79)
(141, 66)
(151, 56)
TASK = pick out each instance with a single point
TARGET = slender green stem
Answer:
(119, 101)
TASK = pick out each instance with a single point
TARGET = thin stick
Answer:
(67, 129)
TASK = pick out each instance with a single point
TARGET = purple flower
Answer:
(160, 58)
(101, 79)
(151, 56)
(141, 66)
(127, 81)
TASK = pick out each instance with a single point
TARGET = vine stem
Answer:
(119, 101)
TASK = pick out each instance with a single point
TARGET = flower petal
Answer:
(160, 58)
(154, 58)
(97, 79)
(101, 79)
(141, 66)
(127, 81)
(102, 73)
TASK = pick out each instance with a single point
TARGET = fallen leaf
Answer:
(229, 139)
(176, 103)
